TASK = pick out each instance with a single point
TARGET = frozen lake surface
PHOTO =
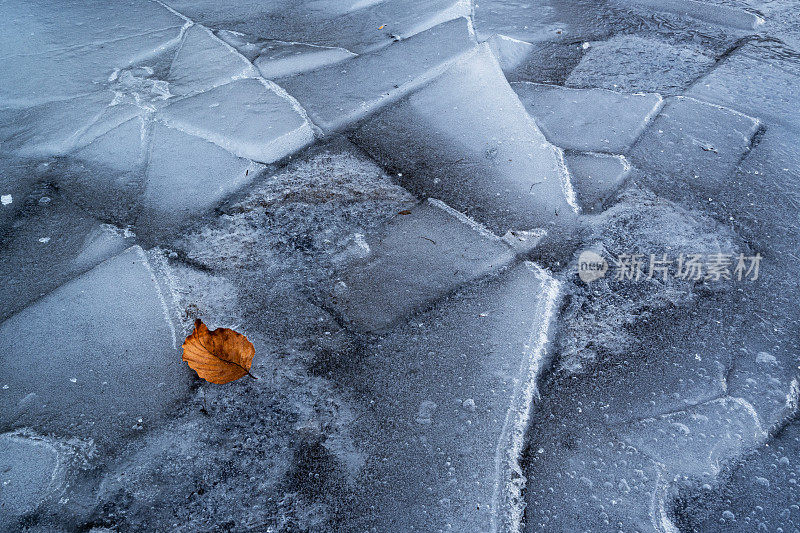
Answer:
(507, 265)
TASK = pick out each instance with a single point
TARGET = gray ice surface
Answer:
(589, 120)
(447, 143)
(420, 256)
(94, 358)
(269, 166)
(341, 94)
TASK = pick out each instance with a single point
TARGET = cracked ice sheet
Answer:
(549, 20)
(186, 174)
(76, 364)
(56, 128)
(739, 82)
(436, 448)
(466, 139)
(204, 61)
(341, 94)
(596, 177)
(761, 493)
(440, 251)
(630, 63)
(589, 120)
(715, 13)
(49, 244)
(43, 27)
(355, 26)
(248, 118)
(77, 71)
(764, 312)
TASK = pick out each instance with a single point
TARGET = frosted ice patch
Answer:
(279, 59)
(246, 117)
(204, 61)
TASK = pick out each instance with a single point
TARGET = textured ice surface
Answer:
(714, 12)
(50, 243)
(447, 142)
(32, 470)
(630, 63)
(761, 494)
(186, 174)
(444, 403)
(94, 358)
(340, 94)
(739, 82)
(278, 59)
(544, 21)
(418, 258)
(595, 177)
(695, 142)
(591, 120)
(204, 61)
(246, 117)
(357, 26)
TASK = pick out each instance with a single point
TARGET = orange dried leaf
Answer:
(219, 356)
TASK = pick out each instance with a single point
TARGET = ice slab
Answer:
(769, 169)
(187, 175)
(356, 26)
(760, 79)
(760, 494)
(466, 138)
(30, 472)
(585, 479)
(510, 53)
(415, 260)
(341, 94)
(697, 442)
(49, 244)
(596, 177)
(589, 120)
(278, 59)
(44, 26)
(630, 63)
(440, 452)
(77, 71)
(106, 177)
(549, 20)
(249, 118)
(769, 384)
(204, 61)
(694, 143)
(713, 12)
(96, 358)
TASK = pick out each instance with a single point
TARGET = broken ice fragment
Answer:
(413, 261)
(249, 118)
